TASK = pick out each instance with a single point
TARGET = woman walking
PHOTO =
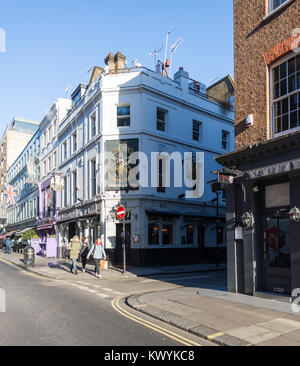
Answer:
(98, 254)
(84, 252)
(74, 248)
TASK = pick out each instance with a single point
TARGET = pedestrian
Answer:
(74, 248)
(98, 253)
(8, 244)
(84, 252)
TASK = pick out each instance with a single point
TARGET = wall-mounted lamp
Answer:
(294, 215)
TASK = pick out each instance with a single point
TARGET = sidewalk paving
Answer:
(60, 268)
(222, 317)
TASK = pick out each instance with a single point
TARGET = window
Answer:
(161, 175)
(225, 140)
(45, 168)
(66, 191)
(49, 164)
(123, 116)
(93, 125)
(65, 151)
(276, 3)
(286, 95)
(189, 234)
(167, 234)
(74, 141)
(220, 234)
(93, 177)
(197, 129)
(74, 179)
(54, 160)
(153, 234)
(161, 118)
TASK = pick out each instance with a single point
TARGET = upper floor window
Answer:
(93, 125)
(197, 129)
(161, 119)
(225, 140)
(276, 3)
(286, 95)
(74, 141)
(65, 151)
(123, 116)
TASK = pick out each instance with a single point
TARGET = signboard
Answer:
(238, 233)
(121, 213)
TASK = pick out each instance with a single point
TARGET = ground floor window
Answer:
(160, 230)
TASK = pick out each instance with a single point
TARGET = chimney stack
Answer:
(117, 61)
(182, 77)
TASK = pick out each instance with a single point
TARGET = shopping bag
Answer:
(103, 264)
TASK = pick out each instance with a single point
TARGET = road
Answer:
(44, 312)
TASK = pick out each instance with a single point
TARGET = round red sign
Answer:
(120, 212)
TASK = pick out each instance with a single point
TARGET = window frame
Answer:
(197, 132)
(159, 121)
(123, 117)
(227, 134)
(93, 124)
(287, 96)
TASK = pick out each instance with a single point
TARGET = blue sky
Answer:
(50, 45)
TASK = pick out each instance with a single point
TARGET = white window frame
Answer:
(273, 101)
(93, 116)
(228, 140)
(165, 122)
(125, 116)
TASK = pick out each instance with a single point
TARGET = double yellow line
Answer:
(176, 337)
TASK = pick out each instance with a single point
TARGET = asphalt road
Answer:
(42, 312)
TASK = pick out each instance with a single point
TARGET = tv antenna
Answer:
(89, 70)
(173, 51)
(167, 43)
(67, 91)
(155, 53)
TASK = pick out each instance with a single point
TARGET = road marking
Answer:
(178, 338)
(107, 289)
(102, 295)
(212, 336)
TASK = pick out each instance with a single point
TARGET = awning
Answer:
(18, 233)
(44, 227)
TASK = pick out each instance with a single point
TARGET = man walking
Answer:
(98, 253)
(74, 247)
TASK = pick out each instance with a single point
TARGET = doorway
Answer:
(119, 243)
(277, 252)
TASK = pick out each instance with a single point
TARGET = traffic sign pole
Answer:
(121, 216)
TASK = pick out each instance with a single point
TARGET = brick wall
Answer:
(256, 39)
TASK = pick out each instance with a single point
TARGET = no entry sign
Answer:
(121, 213)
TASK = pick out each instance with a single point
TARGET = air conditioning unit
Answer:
(249, 120)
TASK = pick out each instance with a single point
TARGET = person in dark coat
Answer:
(84, 252)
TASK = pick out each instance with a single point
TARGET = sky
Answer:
(51, 44)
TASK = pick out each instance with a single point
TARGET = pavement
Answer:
(209, 312)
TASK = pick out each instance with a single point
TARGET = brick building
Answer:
(262, 237)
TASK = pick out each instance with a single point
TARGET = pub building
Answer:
(263, 202)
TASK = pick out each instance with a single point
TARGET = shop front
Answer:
(263, 251)
(47, 244)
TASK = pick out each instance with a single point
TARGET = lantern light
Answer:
(294, 215)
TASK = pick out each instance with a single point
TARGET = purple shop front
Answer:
(48, 236)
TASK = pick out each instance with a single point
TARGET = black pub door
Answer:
(119, 243)
(277, 253)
